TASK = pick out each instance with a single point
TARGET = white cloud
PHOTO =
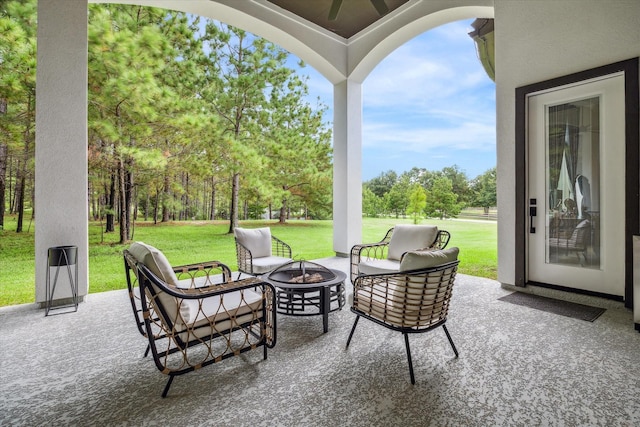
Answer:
(436, 67)
(419, 139)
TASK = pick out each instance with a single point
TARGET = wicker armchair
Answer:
(414, 300)
(189, 326)
(385, 255)
(189, 276)
(258, 252)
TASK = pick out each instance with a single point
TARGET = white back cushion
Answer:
(158, 264)
(155, 261)
(409, 237)
(417, 260)
(257, 240)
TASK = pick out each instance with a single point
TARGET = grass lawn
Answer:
(188, 242)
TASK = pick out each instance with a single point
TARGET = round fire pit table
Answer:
(304, 288)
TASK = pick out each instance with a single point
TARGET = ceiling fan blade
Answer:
(335, 8)
(380, 6)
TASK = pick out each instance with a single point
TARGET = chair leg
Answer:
(352, 331)
(446, 331)
(264, 351)
(146, 352)
(166, 387)
(406, 343)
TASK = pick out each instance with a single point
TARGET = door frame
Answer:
(632, 167)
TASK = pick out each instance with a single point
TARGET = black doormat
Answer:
(551, 305)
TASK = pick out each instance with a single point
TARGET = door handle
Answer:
(532, 214)
(533, 211)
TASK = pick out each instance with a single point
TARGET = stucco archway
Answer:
(62, 73)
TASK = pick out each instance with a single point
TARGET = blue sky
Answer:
(429, 104)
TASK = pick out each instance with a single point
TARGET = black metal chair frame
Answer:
(378, 250)
(447, 272)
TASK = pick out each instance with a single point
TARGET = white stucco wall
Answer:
(61, 140)
(536, 41)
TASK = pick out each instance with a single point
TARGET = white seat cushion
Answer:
(256, 240)
(409, 237)
(378, 266)
(268, 263)
(224, 311)
(232, 304)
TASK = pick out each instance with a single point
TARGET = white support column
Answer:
(347, 166)
(61, 140)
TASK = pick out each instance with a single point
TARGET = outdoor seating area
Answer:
(516, 366)
(174, 121)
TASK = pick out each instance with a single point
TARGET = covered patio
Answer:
(517, 366)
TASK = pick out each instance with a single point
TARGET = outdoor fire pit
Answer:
(301, 272)
(305, 288)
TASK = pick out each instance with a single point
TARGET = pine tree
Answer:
(17, 100)
(417, 202)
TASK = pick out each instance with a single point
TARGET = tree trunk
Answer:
(3, 180)
(22, 180)
(92, 203)
(10, 196)
(126, 187)
(165, 199)
(233, 211)
(187, 201)
(156, 207)
(212, 214)
(111, 201)
(146, 207)
(134, 202)
(283, 212)
(23, 168)
(20, 197)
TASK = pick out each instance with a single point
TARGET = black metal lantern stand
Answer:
(58, 257)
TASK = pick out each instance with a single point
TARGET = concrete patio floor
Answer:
(517, 366)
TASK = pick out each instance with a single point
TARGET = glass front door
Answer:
(576, 146)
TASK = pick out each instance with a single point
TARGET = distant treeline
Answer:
(420, 192)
